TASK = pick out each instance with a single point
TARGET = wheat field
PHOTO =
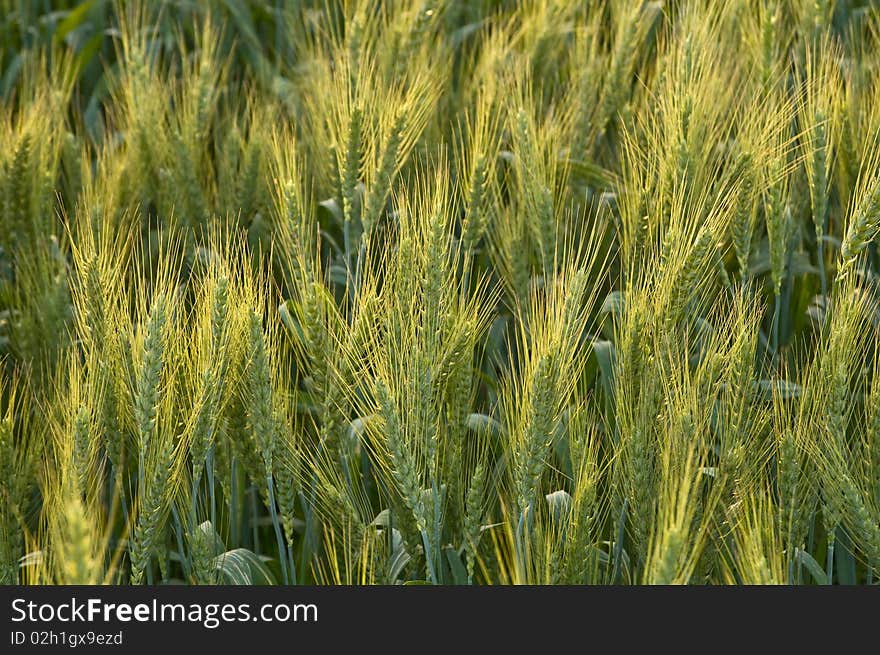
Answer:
(496, 292)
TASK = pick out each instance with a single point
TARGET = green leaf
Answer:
(459, 572)
(484, 424)
(290, 322)
(463, 32)
(87, 53)
(844, 560)
(785, 389)
(613, 303)
(74, 19)
(381, 520)
(11, 75)
(560, 504)
(333, 208)
(818, 573)
(399, 557)
(243, 567)
(338, 275)
(208, 531)
(357, 428)
(603, 351)
(590, 173)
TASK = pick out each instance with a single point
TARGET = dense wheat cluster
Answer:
(440, 292)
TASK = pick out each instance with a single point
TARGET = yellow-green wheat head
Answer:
(493, 292)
